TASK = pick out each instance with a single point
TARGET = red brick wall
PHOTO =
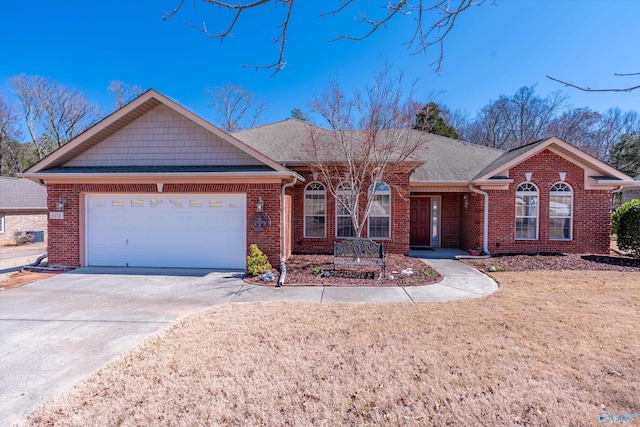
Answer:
(591, 216)
(64, 235)
(450, 220)
(288, 200)
(400, 205)
(471, 220)
(63, 246)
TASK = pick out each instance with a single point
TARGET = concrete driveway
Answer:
(55, 332)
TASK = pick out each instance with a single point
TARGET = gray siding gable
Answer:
(163, 137)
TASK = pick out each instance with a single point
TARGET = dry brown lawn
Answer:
(549, 348)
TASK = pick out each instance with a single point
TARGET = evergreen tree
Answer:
(625, 155)
(430, 119)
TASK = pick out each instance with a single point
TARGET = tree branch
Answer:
(422, 38)
(279, 64)
(588, 89)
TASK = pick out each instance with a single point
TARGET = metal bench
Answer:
(359, 252)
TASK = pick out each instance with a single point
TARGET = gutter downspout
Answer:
(485, 244)
(614, 192)
(283, 257)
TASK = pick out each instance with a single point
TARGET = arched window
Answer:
(315, 205)
(527, 211)
(346, 200)
(560, 212)
(380, 212)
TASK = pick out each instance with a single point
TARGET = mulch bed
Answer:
(301, 269)
(24, 277)
(556, 262)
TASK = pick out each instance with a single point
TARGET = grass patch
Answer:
(549, 348)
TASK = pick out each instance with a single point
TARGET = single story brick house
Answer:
(23, 207)
(153, 184)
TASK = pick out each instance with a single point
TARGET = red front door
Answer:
(420, 221)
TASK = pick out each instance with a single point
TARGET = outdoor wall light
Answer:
(528, 175)
(563, 175)
(260, 205)
(61, 204)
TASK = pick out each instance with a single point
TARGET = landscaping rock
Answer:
(268, 277)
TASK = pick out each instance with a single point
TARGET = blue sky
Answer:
(494, 50)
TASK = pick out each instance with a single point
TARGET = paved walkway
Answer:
(460, 282)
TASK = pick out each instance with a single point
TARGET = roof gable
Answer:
(597, 168)
(153, 130)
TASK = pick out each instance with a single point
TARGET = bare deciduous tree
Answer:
(9, 135)
(370, 138)
(513, 121)
(123, 92)
(235, 107)
(433, 20)
(524, 117)
(53, 114)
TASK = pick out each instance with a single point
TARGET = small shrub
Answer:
(615, 215)
(22, 238)
(257, 262)
(316, 271)
(629, 230)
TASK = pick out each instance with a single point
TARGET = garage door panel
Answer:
(207, 231)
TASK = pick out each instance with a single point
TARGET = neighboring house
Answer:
(23, 206)
(153, 184)
(631, 192)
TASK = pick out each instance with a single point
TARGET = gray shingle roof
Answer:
(445, 159)
(286, 141)
(508, 156)
(450, 160)
(20, 193)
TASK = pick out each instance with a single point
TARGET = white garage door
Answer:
(166, 230)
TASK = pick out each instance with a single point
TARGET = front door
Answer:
(425, 225)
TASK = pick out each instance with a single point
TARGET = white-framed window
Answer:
(315, 206)
(560, 212)
(380, 212)
(345, 196)
(1, 223)
(527, 198)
